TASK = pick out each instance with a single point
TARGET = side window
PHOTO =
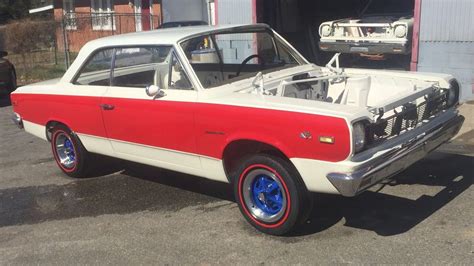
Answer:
(178, 78)
(97, 69)
(137, 67)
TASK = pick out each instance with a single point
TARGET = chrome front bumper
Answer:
(16, 119)
(365, 47)
(395, 161)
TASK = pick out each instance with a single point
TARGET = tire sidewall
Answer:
(77, 170)
(293, 192)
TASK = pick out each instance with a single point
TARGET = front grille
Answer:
(407, 117)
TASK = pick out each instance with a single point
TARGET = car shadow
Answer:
(388, 214)
(385, 214)
(136, 189)
(143, 188)
(182, 181)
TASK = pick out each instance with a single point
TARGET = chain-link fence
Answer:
(44, 49)
(32, 49)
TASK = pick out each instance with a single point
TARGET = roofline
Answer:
(97, 43)
(226, 29)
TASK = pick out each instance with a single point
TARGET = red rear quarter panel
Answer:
(80, 113)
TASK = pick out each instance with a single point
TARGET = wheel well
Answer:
(237, 150)
(49, 126)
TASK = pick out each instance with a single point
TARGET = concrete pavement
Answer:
(138, 214)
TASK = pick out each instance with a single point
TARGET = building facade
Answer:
(84, 20)
(446, 40)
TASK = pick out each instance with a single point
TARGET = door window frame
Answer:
(173, 52)
(87, 61)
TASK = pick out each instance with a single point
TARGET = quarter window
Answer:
(97, 69)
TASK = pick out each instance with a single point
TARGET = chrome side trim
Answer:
(395, 161)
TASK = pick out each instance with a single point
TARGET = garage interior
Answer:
(298, 21)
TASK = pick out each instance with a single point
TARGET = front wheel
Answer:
(271, 195)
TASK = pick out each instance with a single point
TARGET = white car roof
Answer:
(168, 36)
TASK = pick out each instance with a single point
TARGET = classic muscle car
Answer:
(239, 104)
(373, 32)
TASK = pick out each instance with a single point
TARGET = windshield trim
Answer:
(300, 60)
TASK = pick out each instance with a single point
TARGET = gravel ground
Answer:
(137, 214)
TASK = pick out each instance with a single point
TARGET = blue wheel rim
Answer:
(70, 150)
(65, 151)
(264, 195)
(267, 195)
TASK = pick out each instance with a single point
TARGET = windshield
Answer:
(222, 58)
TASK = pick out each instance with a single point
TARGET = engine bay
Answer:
(332, 84)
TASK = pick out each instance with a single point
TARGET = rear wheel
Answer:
(71, 157)
(270, 194)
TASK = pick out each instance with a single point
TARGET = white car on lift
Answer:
(238, 104)
(367, 35)
(372, 32)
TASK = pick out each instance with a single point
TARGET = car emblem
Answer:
(306, 135)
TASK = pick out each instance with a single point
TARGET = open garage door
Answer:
(299, 20)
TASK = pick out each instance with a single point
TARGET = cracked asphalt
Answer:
(141, 215)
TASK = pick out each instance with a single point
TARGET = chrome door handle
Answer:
(107, 107)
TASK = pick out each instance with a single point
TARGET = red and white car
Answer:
(238, 104)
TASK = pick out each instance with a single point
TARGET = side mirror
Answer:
(3, 54)
(154, 91)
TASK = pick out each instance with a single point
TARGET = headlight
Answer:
(400, 31)
(453, 93)
(358, 136)
(326, 30)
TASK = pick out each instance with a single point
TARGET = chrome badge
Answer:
(306, 135)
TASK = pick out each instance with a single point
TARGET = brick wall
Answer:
(124, 22)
